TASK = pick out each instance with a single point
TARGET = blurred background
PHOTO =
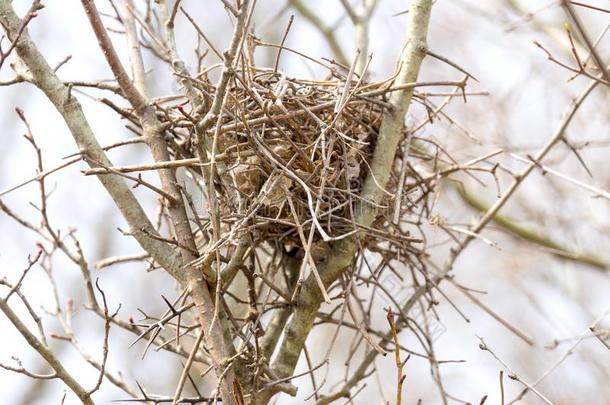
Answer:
(523, 96)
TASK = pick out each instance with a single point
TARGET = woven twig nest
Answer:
(293, 154)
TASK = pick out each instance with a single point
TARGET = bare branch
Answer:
(46, 353)
(71, 111)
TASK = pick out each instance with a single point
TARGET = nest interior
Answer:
(290, 154)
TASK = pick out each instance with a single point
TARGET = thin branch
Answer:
(327, 32)
(29, 15)
(186, 368)
(46, 353)
(583, 33)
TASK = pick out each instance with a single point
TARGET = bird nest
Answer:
(291, 155)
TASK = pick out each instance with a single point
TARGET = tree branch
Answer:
(46, 353)
(70, 109)
(154, 134)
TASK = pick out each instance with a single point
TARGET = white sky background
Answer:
(547, 298)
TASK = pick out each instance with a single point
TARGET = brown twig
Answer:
(399, 363)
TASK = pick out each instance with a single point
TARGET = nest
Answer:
(291, 155)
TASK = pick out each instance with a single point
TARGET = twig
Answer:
(488, 310)
(399, 363)
(46, 353)
(583, 33)
(483, 346)
(186, 368)
(531, 235)
(30, 14)
(327, 32)
(560, 360)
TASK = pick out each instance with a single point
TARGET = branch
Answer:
(327, 32)
(361, 19)
(46, 353)
(133, 95)
(227, 71)
(531, 235)
(31, 14)
(154, 133)
(556, 137)
(583, 33)
(492, 212)
(58, 93)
